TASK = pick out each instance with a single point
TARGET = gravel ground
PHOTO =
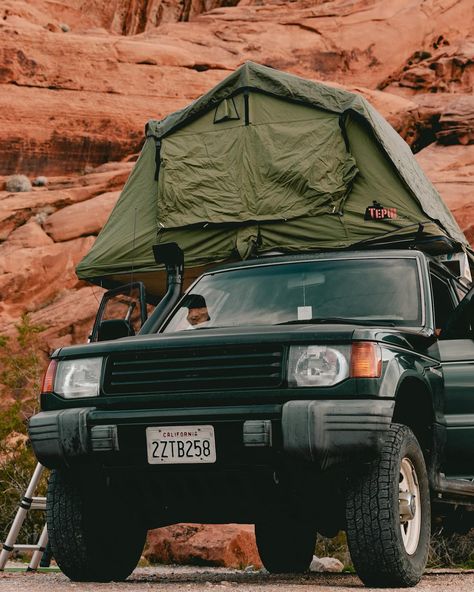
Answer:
(194, 579)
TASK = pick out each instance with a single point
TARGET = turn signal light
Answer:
(48, 378)
(366, 360)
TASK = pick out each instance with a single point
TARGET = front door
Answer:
(122, 310)
(456, 347)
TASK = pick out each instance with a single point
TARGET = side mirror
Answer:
(114, 329)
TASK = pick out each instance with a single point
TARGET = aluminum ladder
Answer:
(28, 502)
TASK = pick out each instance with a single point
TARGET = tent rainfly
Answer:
(265, 161)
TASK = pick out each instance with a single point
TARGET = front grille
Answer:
(203, 368)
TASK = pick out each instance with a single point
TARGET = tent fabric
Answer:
(292, 161)
(265, 161)
(293, 88)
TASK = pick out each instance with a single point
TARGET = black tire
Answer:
(382, 556)
(285, 546)
(93, 537)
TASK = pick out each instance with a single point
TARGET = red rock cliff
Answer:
(78, 80)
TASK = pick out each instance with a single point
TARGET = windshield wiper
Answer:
(338, 320)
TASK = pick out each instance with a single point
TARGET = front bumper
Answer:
(322, 433)
(331, 433)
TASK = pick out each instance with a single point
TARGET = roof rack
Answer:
(432, 244)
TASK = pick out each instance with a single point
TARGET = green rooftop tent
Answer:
(265, 162)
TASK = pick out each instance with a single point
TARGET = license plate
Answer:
(181, 444)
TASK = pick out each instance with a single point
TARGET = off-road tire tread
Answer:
(70, 535)
(371, 524)
(63, 515)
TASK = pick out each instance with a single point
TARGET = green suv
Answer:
(308, 393)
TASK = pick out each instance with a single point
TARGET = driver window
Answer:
(444, 304)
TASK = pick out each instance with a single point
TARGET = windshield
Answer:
(369, 290)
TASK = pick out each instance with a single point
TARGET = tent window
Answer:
(226, 111)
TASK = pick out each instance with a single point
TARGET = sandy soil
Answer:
(177, 579)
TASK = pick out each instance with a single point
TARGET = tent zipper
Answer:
(157, 157)
(246, 108)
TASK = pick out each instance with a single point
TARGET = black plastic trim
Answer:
(329, 433)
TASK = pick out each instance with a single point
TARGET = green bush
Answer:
(22, 362)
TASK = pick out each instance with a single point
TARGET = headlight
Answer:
(317, 365)
(78, 378)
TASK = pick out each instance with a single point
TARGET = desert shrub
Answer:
(22, 362)
(446, 550)
(17, 463)
(17, 183)
(335, 547)
(41, 216)
(40, 181)
(449, 550)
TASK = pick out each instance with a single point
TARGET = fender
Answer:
(417, 384)
(401, 367)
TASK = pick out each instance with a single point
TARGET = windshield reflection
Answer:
(382, 291)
